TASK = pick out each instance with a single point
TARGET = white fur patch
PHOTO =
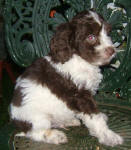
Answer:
(105, 41)
(39, 106)
(82, 73)
(95, 16)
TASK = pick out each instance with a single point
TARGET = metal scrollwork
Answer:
(26, 33)
(19, 31)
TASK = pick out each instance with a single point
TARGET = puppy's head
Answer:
(85, 35)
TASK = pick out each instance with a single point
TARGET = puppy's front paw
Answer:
(110, 138)
(55, 137)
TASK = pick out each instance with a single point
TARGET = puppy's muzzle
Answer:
(110, 51)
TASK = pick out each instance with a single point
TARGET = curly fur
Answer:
(57, 90)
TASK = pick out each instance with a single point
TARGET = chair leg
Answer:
(9, 71)
(1, 67)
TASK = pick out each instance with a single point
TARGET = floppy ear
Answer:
(60, 45)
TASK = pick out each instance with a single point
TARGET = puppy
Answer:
(57, 90)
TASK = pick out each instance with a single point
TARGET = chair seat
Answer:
(79, 138)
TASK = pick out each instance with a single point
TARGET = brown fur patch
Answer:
(22, 125)
(43, 73)
(17, 97)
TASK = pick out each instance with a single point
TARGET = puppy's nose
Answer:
(110, 51)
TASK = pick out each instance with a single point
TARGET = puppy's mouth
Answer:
(105, 57)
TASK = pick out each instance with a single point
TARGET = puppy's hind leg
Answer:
(52, 136)
(41, 131)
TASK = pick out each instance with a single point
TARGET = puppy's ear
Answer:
(61, 43)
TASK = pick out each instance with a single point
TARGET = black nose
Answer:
(110, 51)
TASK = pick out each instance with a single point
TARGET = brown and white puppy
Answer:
(57, 90)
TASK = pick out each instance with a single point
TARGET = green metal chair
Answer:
(29, 28)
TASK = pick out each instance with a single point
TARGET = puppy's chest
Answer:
(82, 74)
(89, 79)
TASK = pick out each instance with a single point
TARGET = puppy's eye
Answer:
(91, 38)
